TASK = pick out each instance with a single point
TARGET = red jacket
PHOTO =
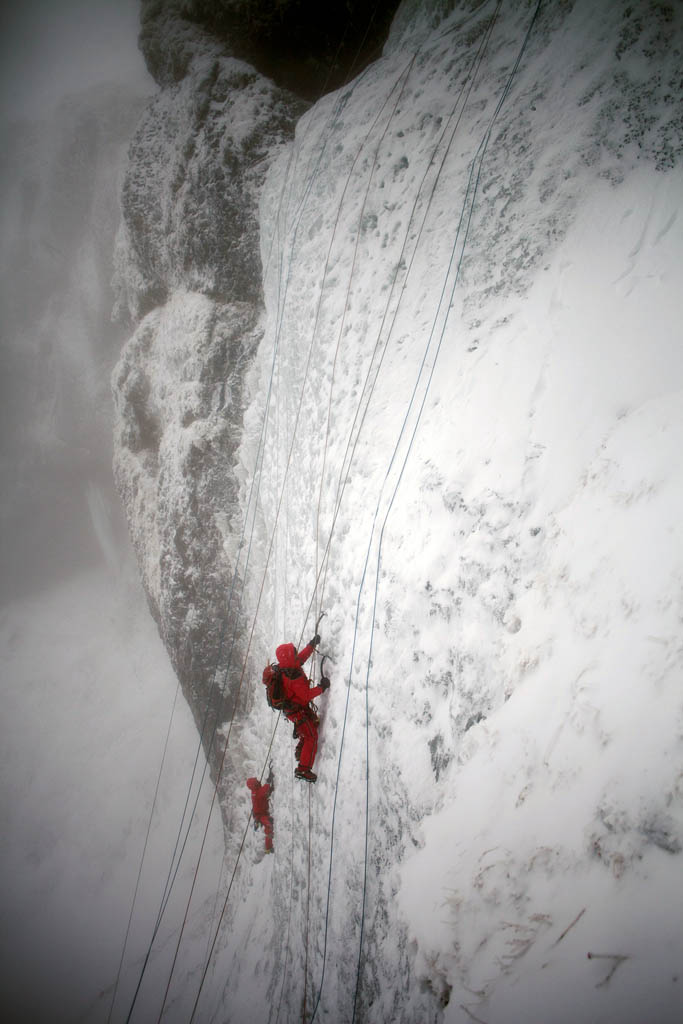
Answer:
(259, 797)
(294, 680)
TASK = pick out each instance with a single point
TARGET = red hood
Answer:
(252, 783)
(286, 656)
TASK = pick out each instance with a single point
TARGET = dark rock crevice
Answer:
(306, 47)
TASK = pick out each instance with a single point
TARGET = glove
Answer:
(315, 641)
(324, 683)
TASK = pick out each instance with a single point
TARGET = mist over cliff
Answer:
(396, 337)
(408, 354)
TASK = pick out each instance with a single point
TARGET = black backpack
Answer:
(275, 692)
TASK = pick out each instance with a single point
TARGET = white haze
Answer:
(86, 687)
(50, 48)
(519, 819)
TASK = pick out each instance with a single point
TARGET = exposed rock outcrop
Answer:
(190, 197)
(189, 278)
(305, 46)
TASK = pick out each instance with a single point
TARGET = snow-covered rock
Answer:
(456, 431)
(189, 277)
(476, 367)
(190, 197)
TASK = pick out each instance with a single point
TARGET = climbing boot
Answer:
(305, 773)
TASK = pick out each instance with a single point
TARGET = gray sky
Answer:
(49, 48)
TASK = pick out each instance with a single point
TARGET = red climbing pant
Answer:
(260, 808)
(267, 822)
(306, 723)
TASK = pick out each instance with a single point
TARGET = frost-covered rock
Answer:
(178, 391)
(472, 356)
(189, 279)
(305, 46)
(190, 197)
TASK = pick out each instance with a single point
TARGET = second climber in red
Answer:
(261, 810)
(299, 694)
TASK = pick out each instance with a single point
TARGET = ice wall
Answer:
(434, 415)
(477, 336)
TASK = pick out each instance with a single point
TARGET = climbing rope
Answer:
(291, 897)
(175, 863)
(239, 688)
(177, 858)
(308, 909)
(370, 380)
(174, 871)
(293, 437)
(264, 576)
(326, 559)
(465, 218)
(144, 851)
(348, 292)
(227, 895)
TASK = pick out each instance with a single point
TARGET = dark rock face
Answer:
(189, 280)
(190, 196)
(178, 391)
(306, 46)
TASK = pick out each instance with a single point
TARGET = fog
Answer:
(86, 686)
(72, 88)
(53, 47)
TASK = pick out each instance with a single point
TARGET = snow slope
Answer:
(470, 394)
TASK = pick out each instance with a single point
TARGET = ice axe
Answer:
(322, 664)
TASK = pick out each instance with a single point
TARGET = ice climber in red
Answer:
(261, 810)
(299, 693)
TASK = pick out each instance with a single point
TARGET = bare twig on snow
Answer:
(617, 959)
(570, 926)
